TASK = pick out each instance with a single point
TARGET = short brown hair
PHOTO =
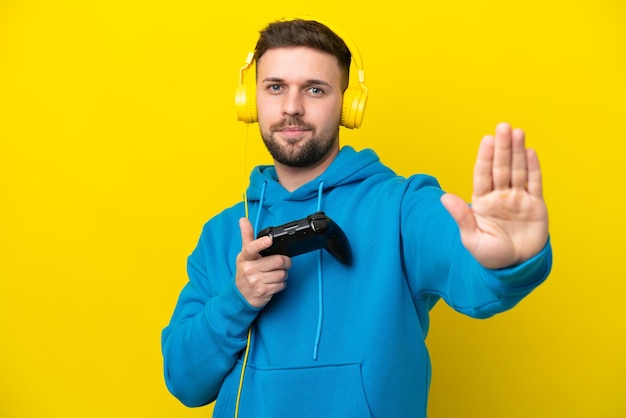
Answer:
(308, 33)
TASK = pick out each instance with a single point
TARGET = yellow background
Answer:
(118, 139)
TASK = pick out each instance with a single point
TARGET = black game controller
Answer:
(314, 232)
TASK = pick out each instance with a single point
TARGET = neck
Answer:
(291, 178)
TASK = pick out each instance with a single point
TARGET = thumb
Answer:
(460, 212)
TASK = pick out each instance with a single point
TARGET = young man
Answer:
(329, 339)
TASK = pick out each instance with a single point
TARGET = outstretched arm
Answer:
(507, 222)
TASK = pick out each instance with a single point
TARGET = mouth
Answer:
(292, 132)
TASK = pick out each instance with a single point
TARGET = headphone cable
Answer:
(247, 214)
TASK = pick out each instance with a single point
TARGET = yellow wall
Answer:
(118, 139)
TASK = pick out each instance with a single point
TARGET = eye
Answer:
(316, 91)
(274, 88)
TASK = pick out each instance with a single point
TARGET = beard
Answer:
(300, 152)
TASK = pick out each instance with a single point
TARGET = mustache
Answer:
(291, 122)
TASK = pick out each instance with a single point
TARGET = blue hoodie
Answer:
(339, 341)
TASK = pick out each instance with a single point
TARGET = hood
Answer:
(349, 166)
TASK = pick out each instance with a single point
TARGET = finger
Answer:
(250, 247)
(461, 212)
(275, 277)
(502, 156)
(534, 186)
(483, 169)
(519, 170)
(247, 232)
(276, 262)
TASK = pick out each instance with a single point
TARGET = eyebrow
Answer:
(310, 81)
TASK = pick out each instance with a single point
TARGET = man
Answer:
(310, 336)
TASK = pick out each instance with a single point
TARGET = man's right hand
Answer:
(259, 278)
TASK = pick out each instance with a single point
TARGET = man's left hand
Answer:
(507, 222)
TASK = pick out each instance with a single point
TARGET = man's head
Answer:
(302, 71)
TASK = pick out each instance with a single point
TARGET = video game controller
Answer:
(316, 231)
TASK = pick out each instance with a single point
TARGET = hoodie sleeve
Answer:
(208, 329)
(438, 265)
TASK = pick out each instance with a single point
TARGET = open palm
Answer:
(507, 222)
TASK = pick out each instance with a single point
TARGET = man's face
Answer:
(299, 97)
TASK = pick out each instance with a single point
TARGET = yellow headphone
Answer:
(354, 97)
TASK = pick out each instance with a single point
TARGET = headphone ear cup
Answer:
(245, 101)
(353, 108)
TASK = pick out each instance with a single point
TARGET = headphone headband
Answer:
(354, 97)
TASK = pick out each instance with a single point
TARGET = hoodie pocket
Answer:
(324, 391)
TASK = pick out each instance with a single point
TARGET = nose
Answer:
(293, 103)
